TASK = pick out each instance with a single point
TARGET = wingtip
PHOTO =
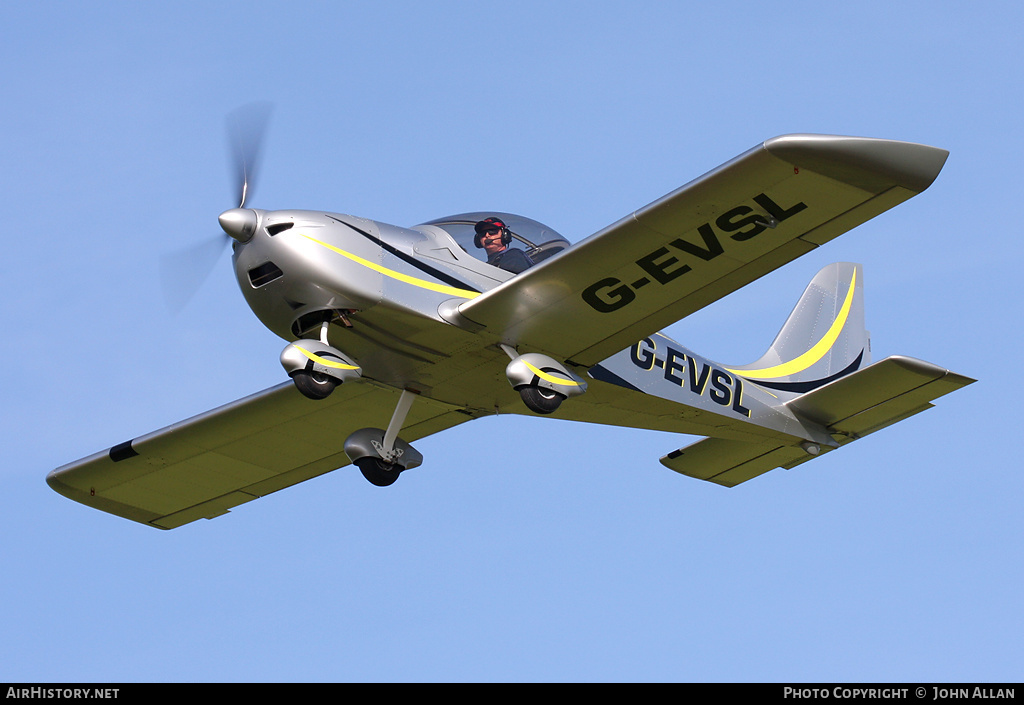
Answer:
(867, 162)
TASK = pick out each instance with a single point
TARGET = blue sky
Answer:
(577, 557)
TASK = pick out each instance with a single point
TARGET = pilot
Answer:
(493, 235)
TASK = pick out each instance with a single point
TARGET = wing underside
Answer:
(718, 233)
(202, 467)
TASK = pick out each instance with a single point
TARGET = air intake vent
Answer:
(278, 228)
(264, 274)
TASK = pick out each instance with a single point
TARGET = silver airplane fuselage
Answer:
(390, 293)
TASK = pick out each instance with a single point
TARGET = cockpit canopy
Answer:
(537, 240)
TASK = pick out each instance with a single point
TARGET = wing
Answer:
(701, 242)
(202, 467)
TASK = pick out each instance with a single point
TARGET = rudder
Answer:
(823, 339)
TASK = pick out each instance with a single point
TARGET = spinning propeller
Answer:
(183, 272)
(246, 128)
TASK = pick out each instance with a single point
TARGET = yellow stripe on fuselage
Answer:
(817, 352)
(421, 283)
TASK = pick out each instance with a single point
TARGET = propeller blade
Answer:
(183, 272)
(246, 128)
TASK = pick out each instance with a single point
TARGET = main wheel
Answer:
(378, 472)
(314, 385)
(539, 400)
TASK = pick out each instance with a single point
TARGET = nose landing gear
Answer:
(316, 367)
(314, 385)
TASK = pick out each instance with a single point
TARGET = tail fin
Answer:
(823, 339)
(821, 362)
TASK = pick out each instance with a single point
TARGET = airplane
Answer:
(396, 333)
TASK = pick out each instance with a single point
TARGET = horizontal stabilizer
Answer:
(729, 463)
(878, 396)
(850, 408)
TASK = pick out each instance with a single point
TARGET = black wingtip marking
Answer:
(122, 451)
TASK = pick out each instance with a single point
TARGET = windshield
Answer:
(502, 238)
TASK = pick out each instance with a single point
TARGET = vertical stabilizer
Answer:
(823, 339)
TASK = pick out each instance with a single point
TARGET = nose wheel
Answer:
(315, 367)
(314, 385)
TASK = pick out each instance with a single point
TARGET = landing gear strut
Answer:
(381, 455)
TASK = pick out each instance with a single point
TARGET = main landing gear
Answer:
(540, 400)
(317, 368)
(542, 383)
(380, 454)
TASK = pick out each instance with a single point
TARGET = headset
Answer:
(487, 224)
